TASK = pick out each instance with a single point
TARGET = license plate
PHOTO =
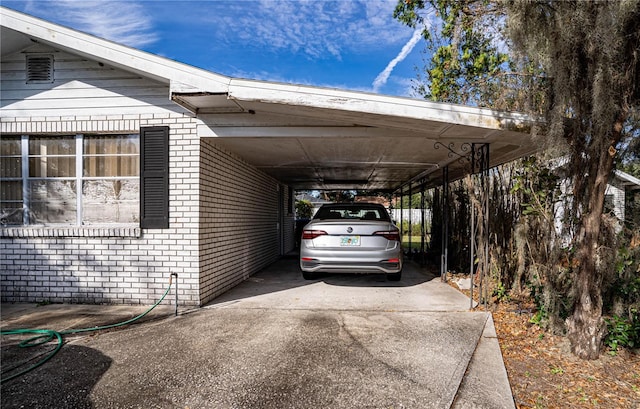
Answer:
(348, 241)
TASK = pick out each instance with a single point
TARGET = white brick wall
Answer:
(213, 242)
(223, 228)
(117, 265)
(239, 220)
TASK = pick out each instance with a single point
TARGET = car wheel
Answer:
(395, 276)
(309, 276)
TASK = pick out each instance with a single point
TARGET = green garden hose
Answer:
(42, 336)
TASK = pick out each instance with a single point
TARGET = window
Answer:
(52, 184)
(110, 179)
(71, 180)
(11, 200)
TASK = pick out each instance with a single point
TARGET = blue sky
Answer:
(346, 44)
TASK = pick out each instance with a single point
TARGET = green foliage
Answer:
(304, 209)
(465, 64)
(557, 370)
(622, 296)
(623, 332)
(540, 318)
(413, 201)
(501, 292)
(575, 65)
(541, 256)
(538, 186)
(415, 228)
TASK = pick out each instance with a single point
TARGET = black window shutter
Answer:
(154, 177)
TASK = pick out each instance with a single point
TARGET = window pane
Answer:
(10, 146)
(52, 167)
(111, 156)
(10, 157)
(112, 145)
(111, 166)
(52, 201)
(52, 157)
(11, 191)
(10, 202)
(10, 167)
(10, 214)
(110, 201)
(48, 146)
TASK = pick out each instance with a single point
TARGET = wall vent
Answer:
(39, 69)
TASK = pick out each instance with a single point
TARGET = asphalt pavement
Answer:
(275, 341)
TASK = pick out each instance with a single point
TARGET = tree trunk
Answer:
(586, 327)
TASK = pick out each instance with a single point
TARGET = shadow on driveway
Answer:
(75, 367)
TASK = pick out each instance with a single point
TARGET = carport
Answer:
(312, 138)
(232, 153)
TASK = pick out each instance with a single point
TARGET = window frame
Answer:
(79, 178)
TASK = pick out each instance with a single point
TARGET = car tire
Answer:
(309, 276)
(395, 276)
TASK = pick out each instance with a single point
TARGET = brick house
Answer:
(119, 167)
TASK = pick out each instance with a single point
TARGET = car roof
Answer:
(358, 204)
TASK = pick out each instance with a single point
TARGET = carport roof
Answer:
(335, 139)
(306, 137)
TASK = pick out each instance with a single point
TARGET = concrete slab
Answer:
(486, 383)
(281, 286)
(62, 317)
(276, 341)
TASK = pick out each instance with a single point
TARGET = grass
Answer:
(415, 242)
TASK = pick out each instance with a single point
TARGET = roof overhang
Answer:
(318, 138)
(627, 181)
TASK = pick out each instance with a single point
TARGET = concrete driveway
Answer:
(275, 341)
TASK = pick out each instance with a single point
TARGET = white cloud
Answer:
(382, 78)
(316, 29)
(124, 22)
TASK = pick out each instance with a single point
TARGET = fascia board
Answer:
(632, 180)
(117, 55)
(316, 97)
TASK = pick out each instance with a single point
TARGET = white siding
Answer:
(81, 88)
(616, 195)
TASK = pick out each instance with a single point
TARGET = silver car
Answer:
(351, 238)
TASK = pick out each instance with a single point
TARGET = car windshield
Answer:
(352, 212)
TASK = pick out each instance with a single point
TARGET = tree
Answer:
(464, 65)
(304, 209)
(579, 66)
(590, 53)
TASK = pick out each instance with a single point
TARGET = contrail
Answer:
(382, 78)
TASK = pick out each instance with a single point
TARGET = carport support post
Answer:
(422, 227)
(410, 221)
(445, 224)
(401, 210)
(472, 235)
(485, 204)
(482, 161)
